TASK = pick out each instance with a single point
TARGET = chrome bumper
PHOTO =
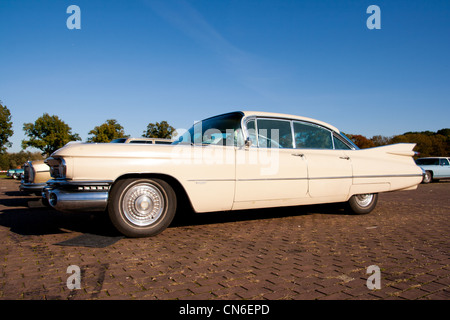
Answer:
(77, 196)
(31, 187)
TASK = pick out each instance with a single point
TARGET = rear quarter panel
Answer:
(385, 168)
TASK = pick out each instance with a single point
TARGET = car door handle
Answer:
(344, 158)
(298, 154)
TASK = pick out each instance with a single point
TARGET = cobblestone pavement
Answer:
(301, 253)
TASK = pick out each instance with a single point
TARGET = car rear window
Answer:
(428, 162)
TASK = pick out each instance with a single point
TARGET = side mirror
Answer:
(248, 142)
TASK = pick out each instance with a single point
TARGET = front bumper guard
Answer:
(77, 196)
(31, 187)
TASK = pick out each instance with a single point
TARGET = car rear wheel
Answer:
(428, 177)
(362, 203)
(141, 207)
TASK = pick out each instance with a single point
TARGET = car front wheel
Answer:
(141, 207)
(362, 203)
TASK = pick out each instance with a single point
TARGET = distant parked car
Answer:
(15, 173)
(435, 168)
(36, 174)
(143, 140)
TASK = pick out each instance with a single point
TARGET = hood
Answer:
(120, 150)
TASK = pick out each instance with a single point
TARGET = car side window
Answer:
(309, 136)
(251, 131)
(339, 145)
(444, 162)
(274, 133)
(224, 130)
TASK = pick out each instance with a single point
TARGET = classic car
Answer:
(142, 140)
(15, 173)
(234, 161)
(435, 168)
(35, 177)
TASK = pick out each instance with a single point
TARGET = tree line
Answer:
(428, 143)
(49, 133)
(15, 160)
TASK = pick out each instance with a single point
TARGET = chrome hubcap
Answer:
(364, 200)
(143, 204)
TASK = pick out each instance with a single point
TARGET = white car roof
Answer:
(434, 158)
(288, 116)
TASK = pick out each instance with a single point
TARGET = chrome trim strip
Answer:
(210, 180)
(327, 178)
(272, 179)
(316, 178)
(75, 183)
(390, 176)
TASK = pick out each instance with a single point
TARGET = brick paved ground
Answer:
(302, 253)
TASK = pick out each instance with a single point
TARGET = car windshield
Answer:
(221, 130)
(428, 162)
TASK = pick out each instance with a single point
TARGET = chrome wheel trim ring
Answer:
(143, 204)
(364, 200)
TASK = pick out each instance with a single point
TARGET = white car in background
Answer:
(435, 168)
(36, 174)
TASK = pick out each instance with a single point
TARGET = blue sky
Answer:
(142, 61)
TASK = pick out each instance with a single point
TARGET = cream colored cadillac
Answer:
(234, 161)
(36, 174)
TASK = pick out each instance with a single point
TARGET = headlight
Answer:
(28, 172)
(57, 167)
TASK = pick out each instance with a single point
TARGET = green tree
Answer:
(16, 160)
(380, 140)
(159, 130)
(427, 143)
(446, 133)
(5, 128)
(106, 132)
(4, 161)
(48, 134)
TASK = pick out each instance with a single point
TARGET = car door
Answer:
(204, 161)
(329, 169)
(443, 170)
(269, 170)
